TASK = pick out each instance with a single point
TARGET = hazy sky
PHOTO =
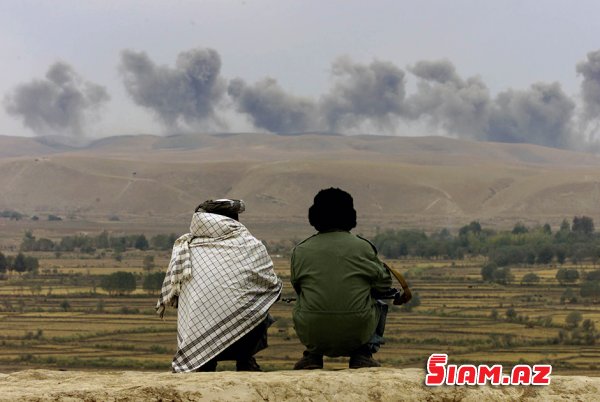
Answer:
(508, 44)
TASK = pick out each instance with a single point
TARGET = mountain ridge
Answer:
(419, 181)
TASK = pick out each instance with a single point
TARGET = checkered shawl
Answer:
(225, 284)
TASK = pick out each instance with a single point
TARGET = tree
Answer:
(520, 228)
(530, 279)
(148, 263)
(583, 225)
(588, 325)
(102, 240)
(28, 242)
(503, 276)
(65, 305)
(593, 275)
(141, 243)
(590, 289)
(473, 227)
(19, 263)
(153, 282)
(564, 232)
(573, 319)
(163, 241)
(511, 314)
(530, 256)
(119, 283)
(568, 296)
(3, 263)
(546, 229)
(567, 275)
(545, 255)
(31, 264)
(44, 244)
(487, 271)
(561, 255)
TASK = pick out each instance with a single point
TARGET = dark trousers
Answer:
(245, 347)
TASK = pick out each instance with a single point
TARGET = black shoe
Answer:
(209, 366)
(247, 364)
(310, 361)
(362, 361)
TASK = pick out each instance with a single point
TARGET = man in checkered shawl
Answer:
(221, 281)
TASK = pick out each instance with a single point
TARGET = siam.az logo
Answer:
(441, 373)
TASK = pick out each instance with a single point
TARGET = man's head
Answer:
(225, 207)
(332, 209)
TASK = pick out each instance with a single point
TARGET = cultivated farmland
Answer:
(62, 318)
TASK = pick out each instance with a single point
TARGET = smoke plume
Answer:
(269, 107)
(590, 86)
(361, 96)
(375, 94)
(187, 93)
(443, 99)
(372, 94)
(361, 93)
(58, 104)
(540, 115)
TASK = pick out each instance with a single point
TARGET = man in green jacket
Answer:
(336, 274)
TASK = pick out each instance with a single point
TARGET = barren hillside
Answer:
(422, 181)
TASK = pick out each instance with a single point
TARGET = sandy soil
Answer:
(381, 384)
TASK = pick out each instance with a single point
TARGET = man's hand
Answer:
(401, 298)
(406, 293)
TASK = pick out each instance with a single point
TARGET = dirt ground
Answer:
(381, 384)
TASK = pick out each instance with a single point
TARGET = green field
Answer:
(96, 331)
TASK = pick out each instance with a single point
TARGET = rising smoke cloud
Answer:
(361, 97)
(187, 93)
(539, 115)
(361, 93)
(590, 86)
(375, 95)
(58, 104)
(271, 108)
(443, 99)
(372, 94)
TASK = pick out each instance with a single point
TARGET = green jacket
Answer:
(333, 274)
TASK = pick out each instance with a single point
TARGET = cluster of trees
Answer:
(124, 283)
(17, 216)
(104, 240)
(18, 263)
(521, 245)
(576, 334)
(12, 215)
(493, 273)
